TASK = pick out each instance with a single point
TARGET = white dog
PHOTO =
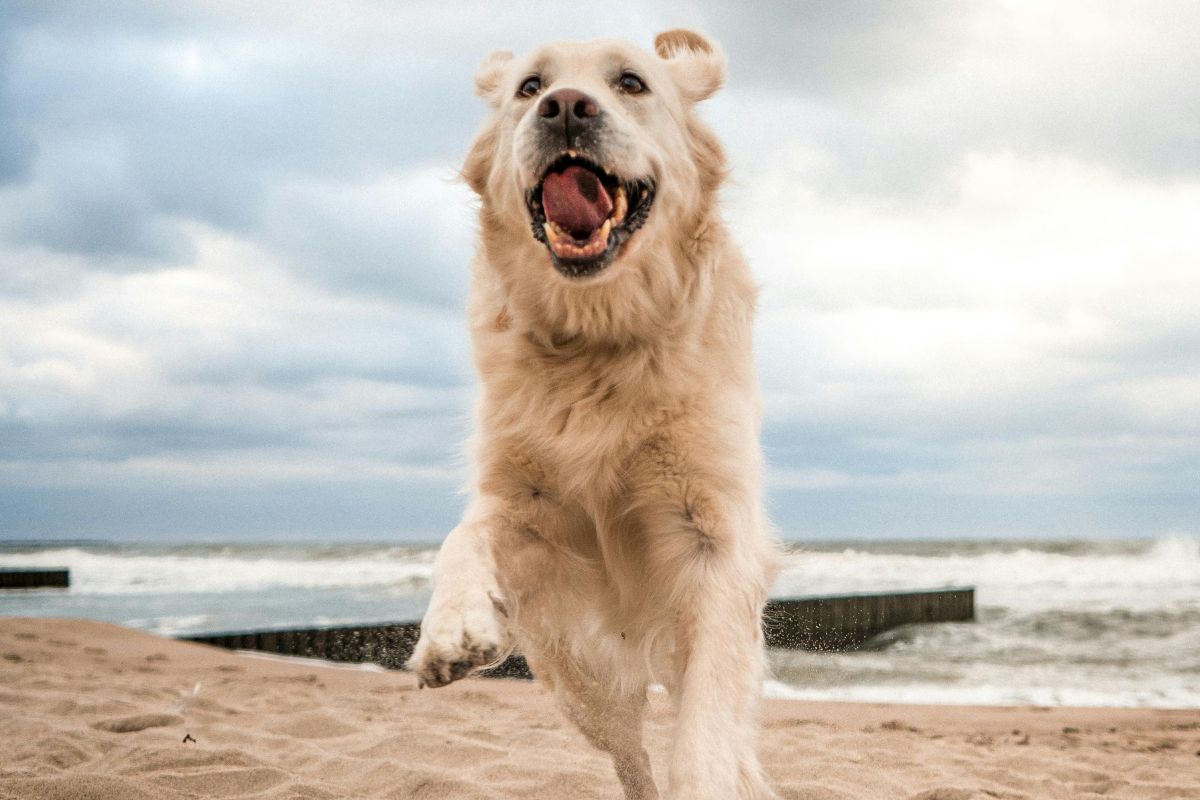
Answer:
(615, 533)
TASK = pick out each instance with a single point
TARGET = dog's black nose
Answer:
(570, 102)
(569, 108)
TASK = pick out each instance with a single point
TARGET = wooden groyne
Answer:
(388, 645)
(844, 622)
(24, 578)
(840, 622)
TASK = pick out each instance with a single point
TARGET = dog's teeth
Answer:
(572, 153)
(552, 232)
(604, 229)
(620, 205)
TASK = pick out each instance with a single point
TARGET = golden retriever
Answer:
(615, 532)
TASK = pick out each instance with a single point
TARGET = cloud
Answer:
(1036, 341)
(813, 48)
(140, 133)
(888, 98)
(230, 361)
(405, 236)
(17, 145)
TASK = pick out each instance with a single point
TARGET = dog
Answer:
(615, 532)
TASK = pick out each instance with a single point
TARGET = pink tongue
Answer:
(576, 200)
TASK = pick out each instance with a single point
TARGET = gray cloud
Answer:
(140, 130)
(409, 240)
(411, 345)
(846, 50)
(17, 144)
(894, 95)
(854, 513)
(301, 510)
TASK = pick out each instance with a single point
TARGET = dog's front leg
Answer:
(719, 669)
(466, 624)
(711, 560)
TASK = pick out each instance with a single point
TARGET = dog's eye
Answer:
(630, 83)
(530, 86)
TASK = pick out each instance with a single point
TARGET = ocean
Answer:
(1074, 623)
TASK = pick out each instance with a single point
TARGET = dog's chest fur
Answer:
(578, 410)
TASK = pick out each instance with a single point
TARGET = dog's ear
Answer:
(490, 76)
(696, 62)
(478, 164)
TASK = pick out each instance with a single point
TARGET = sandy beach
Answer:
(91, 710)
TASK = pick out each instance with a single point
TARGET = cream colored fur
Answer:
(615, 533)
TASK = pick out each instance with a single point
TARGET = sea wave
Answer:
(113, 571)
(1114, 623)
(1149, 574)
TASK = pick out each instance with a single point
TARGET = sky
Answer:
(234, 256)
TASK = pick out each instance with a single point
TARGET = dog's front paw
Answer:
(458, 636)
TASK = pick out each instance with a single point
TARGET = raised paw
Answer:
(459, 636)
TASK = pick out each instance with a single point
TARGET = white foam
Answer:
(1022, 579)
(107, 573)
(169, 626)
(988, 694)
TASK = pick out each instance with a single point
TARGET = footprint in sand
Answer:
(139, 722)
(945, 793)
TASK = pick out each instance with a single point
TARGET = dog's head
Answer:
(592, 167)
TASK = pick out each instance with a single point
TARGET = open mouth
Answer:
(583, 213)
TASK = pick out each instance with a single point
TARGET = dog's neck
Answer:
(655, 302)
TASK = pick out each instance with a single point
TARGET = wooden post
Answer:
(799, 623)
(35, 578)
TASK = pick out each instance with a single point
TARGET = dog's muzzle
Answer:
(584, 213)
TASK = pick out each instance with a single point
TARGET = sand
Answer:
(89, 710)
